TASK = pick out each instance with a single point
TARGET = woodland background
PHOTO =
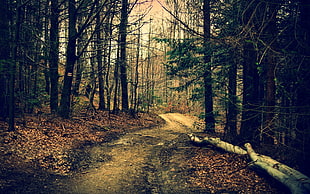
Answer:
(242, 66)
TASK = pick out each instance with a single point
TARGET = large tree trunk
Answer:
(4, 57)
(65, 102)
(250, 105)
(122, 59)
(12, 67)
(271, 33)
(54, 55)
(209, 116)
(251, 81)
(232, 109)
(293, 179)
(303, 90)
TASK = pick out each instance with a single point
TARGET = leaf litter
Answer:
(221, 172)
(45, 142)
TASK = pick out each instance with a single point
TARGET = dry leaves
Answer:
(226, 172)
(45, 141)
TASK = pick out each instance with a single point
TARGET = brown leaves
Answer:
(44, 142)
(219, 172)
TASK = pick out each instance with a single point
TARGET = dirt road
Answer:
(145, 161)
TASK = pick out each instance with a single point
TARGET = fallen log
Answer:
(294, 186)
(293, 179)
(218, 143)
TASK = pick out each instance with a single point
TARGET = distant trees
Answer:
(56, 52)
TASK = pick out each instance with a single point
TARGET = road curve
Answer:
(145, 161)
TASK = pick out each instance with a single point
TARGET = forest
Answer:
(241, 66)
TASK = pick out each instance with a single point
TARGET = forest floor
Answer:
(105, 153)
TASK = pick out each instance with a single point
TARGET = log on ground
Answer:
(293, 179)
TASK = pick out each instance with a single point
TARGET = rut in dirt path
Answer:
(145, 161)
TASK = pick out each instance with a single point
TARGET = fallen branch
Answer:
(293, 179)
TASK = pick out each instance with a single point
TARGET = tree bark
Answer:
(65, 103)
(271, 33)
(232, 110)
(293, 179)
(122, 59)
(218, 143)
(12, 68)
(99, 50)
(209, 116)
(251, 82)
(4, 57)
(54, 55)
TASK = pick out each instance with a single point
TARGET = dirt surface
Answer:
(144, 161)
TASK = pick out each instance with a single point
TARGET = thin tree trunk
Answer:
(136, 73)
(46, 50)
(116, 87)
(93, 85)
(99, 48)
(108, 51)
(79, 66)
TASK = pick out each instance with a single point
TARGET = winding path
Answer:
(145, 161)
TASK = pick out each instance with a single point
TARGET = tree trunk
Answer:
(108, 29)
(135, 75)
(99, 48)
(122, 58)
(250, 105)
(271, 33)
(65, 102)
(12, 68)
(46, 51)
(251, 117)
(303, 91)
(209, 116)
(92, 84)
(79, 66)
(116, 88)
(4, 57)
(54, 55)
(231, 124)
